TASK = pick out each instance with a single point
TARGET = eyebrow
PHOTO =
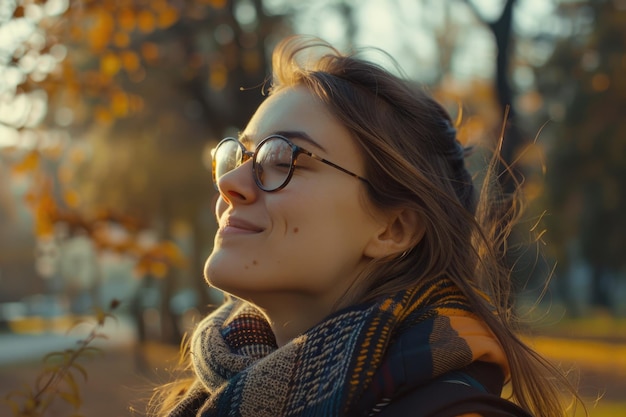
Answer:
(289, 134)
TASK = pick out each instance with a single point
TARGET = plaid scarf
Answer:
(327, 370)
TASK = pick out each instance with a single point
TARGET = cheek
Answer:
(323, 224)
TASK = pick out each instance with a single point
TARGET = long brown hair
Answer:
(413, 160)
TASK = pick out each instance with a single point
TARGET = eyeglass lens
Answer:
(228, 156)
(272, 161)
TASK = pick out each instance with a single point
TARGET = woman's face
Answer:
(307, 241)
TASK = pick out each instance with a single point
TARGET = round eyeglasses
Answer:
(273, 161)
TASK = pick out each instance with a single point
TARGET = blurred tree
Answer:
(514, 139)
(585, 93)
(144, 88)
(165, 80)
(29, 55)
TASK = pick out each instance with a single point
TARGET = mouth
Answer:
(234, 225)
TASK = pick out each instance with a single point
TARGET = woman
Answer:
(364, 277)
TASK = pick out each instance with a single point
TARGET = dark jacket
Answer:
(472, 390)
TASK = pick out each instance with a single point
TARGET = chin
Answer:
(222, 273)
(212, 271)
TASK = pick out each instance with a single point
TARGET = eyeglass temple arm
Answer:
(327, 162)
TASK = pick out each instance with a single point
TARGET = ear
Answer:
(401, 231)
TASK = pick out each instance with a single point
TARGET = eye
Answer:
(281, 164)
(275, 154)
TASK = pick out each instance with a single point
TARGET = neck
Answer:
(292, 315)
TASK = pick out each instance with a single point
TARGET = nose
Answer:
(238, 186)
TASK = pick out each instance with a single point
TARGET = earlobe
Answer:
(402, 231)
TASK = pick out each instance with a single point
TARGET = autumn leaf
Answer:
(126, 19)
(121, 39)
(130, 61)
(119, 104)
(110, 64)
(44, 211)
(70, 398)
(100, 34)
(103, 115)
(146, 21)
(167, 18)
(158, 269)
(72, 198)
(29, 164)
(172, 253)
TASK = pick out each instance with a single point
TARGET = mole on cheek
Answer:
(296, 230)
(254, 262)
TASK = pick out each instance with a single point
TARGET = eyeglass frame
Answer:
(295, 152)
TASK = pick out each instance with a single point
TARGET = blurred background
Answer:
(108, 109)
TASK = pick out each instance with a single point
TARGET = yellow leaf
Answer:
(100, 33)
(110, 64)
(72, 198)
(103, 115)
(100, 315)
(28, 164)
(146, 21)
(168, 17)
(70, 398)
(126, 19)
(44, 226)
(119, 104)
(30, 404)
(172, 253)
(130, 61)
(158, 269)
(71, 383)
(121, 39)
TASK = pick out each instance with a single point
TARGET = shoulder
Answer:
(450, 398)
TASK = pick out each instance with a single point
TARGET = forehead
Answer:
(294, 109)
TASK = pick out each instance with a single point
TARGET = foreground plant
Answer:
(59, 379)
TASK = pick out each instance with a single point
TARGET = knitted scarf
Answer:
(427, 331)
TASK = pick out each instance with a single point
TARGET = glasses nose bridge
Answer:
(246, 155)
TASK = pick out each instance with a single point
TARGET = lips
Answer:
(237, 225)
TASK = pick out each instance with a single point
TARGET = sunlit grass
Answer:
(598, 356)
(595, 343)
(603, 409)
(597, 324)
(38, 324)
